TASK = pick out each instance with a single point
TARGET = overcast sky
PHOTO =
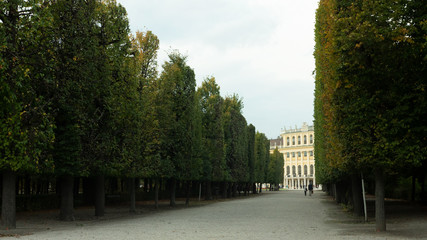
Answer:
(261, 50)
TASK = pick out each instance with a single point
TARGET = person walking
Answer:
(310, 189)
(305, 191)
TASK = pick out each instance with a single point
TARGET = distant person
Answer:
(305, 191)
(310, 189)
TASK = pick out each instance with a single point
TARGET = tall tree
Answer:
(26, 125)
(142, 130)
(76, 75)
(369, 67)
(275, 168)
(212, 133)
(100, 148)
(262, 153)
(235, 141)
(251, 156)
(177, 86)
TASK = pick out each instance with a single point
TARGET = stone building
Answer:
(297, 146)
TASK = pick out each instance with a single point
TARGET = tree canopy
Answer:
(80, 96)
(370, 89)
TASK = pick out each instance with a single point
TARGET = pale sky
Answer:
(261, 50)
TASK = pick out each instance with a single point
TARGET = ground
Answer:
(270, 215)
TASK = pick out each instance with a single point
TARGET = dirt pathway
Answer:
(273, 215)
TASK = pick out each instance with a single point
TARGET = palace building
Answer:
(297, 146)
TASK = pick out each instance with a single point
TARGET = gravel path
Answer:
(272, 215)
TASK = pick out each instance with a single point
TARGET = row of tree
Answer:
(81, 96)
(370, 95)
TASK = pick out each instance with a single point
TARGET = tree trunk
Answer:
(76, 186)
(187, 194)
(338, 193)
(114, 186)
(224, 190)
(379, 201)
(8, 206)
(334, 190)
(146, 185)
(234, 190)
(99, 196)
(356, 190)
(156, 193)
(88, 191)
(173, 193)
(150, 184)
(413, 189)
(132, 195)
(216, 189)
(422, 194)
(67, 199)
(208, 194)
(27, 188)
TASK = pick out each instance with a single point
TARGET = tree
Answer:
(144, 125)
(211, 104)
(75, 53)
(177, 93)
(100, 140)
(26, 126)
(275, 168)
(262, 155)
(369, 66)
(235, 140)
(251, 156)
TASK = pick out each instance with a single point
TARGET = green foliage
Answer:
(235, 140)
(251, 152)
(177, 108)
(107, 150)
(26, 128)
(134, 108)
(262, 157)
(370, 86)
(146, 45)
(211, 104)
(75, 63)
(275, 168)
(81, 96)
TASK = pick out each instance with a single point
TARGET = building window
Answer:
(299, 140)
(299, 154)
(293, 154)
(288, 170)
(305, 139)
(305, 153)
(287, 155)
(287, 141)
(311, 153)
(311, 169)
(293, 170)
(293, 140)
(311, 138)
(305, 170)
(299, 170)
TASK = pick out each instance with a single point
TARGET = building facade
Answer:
(297, 146)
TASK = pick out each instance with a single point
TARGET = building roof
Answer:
(304, 128)
(276, 142)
